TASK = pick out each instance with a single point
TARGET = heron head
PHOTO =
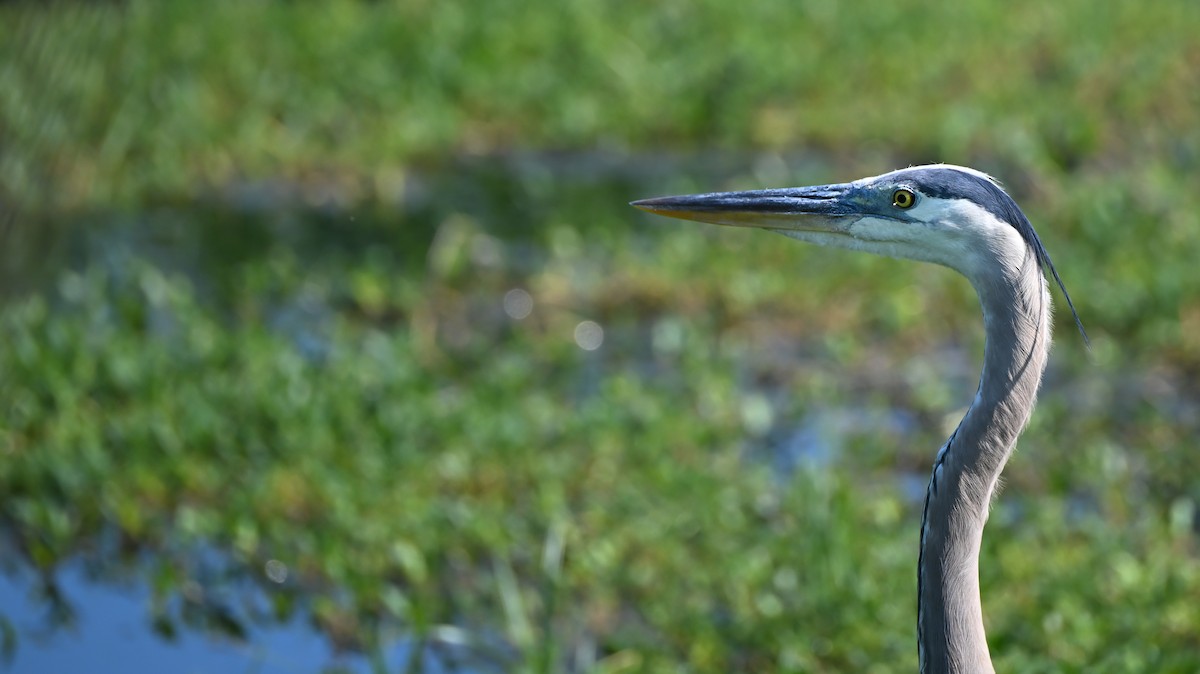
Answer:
(941, 214)
(948, 215)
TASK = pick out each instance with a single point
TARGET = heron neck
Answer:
(1016, 309)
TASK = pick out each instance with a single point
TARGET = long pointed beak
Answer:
(823, 208)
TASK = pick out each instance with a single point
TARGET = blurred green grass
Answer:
(332, 380)
(125, 100)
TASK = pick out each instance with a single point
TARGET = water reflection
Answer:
(110, 630)
(518, 304)
(589, 335)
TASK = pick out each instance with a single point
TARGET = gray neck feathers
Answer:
(1016, 312)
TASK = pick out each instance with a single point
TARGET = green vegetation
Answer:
(327, 377)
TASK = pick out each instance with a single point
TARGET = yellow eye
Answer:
(903, 199)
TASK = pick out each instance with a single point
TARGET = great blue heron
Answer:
(962, 219)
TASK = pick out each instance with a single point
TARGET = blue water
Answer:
(112, 633)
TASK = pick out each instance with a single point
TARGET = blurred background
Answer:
(328, 341)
